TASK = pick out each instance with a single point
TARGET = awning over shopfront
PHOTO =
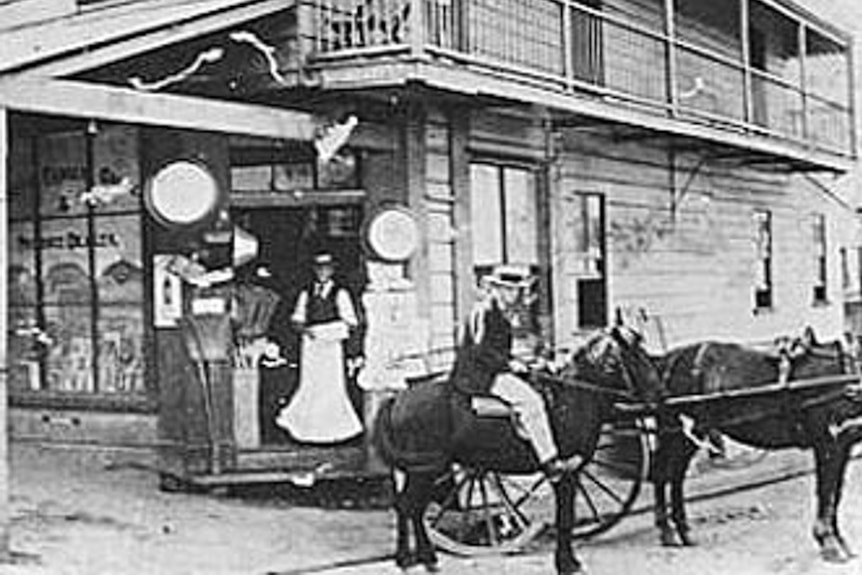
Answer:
(42, 60)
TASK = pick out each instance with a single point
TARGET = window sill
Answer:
(54, 400)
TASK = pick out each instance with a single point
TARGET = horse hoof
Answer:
(405, 561)
(429, 561)
(576, 569)
(687, 540)
(834, 555)
(667, 540)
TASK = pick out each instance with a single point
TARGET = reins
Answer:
(581, 384)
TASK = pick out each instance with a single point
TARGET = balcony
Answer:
(757, 68)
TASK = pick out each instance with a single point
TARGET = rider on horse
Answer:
(485, 365)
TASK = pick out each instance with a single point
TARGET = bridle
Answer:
(835, 352)
(632, 391)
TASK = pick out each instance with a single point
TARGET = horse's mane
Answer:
(606, 353)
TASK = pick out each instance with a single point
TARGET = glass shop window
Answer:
(76, 305)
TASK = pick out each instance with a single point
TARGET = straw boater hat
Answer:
(323, 259)
(509, 275)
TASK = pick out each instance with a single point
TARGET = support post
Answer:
(670, 62)
(416, 22)
(747, 82)
(5, 554)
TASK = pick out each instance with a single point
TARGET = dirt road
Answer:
(765, 531)
(101, 516)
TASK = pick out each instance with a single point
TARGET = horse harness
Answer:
(493, 406)
(791, 408)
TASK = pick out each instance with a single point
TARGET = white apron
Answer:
(321, 411)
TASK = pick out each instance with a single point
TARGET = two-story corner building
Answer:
(673, 159)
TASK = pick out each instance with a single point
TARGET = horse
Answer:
(823, 420)
(429, 428)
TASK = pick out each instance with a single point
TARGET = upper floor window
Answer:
(820, 262)
(763, 247)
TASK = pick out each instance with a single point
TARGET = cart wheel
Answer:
(610, 482)
(478, 512)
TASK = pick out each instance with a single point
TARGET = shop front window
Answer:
(76, 303)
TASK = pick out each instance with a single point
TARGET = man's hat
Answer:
(323, 259)
(508, 275)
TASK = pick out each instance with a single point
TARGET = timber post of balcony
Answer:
(463, 19)
(417, 28)
(308, 32)
(5, 140)
(851, 100)
(803, 82)
(568, 56)
(744, 28)
(670, 55)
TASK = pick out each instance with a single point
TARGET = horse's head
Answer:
(616, 359)
(811, 354)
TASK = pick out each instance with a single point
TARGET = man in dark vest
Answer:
(484, 365)
(321, 410)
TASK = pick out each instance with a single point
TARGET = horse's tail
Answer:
(396, 453)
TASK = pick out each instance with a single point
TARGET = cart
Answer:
(482, 512)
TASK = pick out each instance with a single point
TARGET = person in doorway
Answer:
(484, 364)
(321, 410)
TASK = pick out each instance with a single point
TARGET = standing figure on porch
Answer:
(321, 411)
(485, 365)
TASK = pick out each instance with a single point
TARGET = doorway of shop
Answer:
(288, 238)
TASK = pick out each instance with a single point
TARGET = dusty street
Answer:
(99, 515)
(751, 532)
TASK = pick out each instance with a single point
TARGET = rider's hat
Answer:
(509, 275)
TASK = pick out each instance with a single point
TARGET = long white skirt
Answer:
(320, 411)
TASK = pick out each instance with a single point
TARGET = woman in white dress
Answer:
(321, 411)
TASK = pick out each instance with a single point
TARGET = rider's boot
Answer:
(556, 468)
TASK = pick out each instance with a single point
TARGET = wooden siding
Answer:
(439, 205)
(688, 258)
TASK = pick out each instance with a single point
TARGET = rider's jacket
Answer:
(484, 349)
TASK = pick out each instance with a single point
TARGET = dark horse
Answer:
(430, 426)
(819, 418)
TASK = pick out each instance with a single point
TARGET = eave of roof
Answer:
(28, 45)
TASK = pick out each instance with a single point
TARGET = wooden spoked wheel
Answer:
(482, 512)
(609, 484)
(479, 512)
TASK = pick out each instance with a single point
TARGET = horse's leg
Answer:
(840, 473)
(662, 464)
(683, 454)
(564, 497)
(829, 465)
(423, 489)
(835, 473)
(403, 557)
(659, 481)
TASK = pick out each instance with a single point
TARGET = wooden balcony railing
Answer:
(568, 46)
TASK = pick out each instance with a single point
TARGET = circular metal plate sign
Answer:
(393, 234)
(182, 193)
